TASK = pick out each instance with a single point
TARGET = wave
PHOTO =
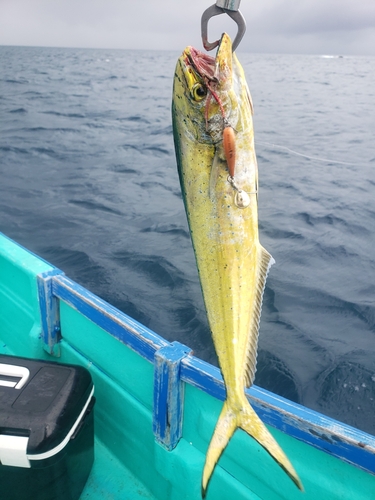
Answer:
(76, 264)
(14, 149)
(123, 169)
(65, 115)
(274, 375)
(349, 384)
(18, 110)
(94, 205)
(171, 229)
(21, 81)
(157, 269)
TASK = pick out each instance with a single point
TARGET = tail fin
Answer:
(244, 417)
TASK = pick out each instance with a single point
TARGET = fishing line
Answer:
(326, 160)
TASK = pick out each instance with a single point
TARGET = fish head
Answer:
(204, 91)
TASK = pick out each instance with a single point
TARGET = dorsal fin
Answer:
(265, 262)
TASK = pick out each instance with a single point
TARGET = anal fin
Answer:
(265, 262)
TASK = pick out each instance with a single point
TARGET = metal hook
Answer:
(229, 7)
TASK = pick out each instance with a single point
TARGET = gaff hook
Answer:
(229, 7)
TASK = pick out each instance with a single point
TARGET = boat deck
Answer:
(110, 479)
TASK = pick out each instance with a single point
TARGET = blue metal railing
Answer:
(174, 365)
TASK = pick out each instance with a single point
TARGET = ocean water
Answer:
(89, 182)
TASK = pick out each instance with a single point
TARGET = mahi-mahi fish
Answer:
(214, 142)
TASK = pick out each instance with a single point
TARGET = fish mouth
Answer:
(197, 65)
(198, 62)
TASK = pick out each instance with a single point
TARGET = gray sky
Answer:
(273, 26)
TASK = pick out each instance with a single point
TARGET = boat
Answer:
(157, 404)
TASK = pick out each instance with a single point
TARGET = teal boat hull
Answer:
(157, 404)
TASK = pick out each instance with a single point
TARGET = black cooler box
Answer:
(46, 429)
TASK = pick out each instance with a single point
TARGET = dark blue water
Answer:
(89, 182)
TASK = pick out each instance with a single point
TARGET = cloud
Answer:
(308, 16)
(329, 26)
(319, 26)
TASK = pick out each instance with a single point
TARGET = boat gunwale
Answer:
(336, 438)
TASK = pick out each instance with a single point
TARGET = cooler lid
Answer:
(41, 404)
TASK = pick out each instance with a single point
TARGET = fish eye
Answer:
(198, 92)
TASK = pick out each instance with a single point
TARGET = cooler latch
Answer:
(13, 451)
(13, 376)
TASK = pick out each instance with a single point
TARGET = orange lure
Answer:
(229, 143)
